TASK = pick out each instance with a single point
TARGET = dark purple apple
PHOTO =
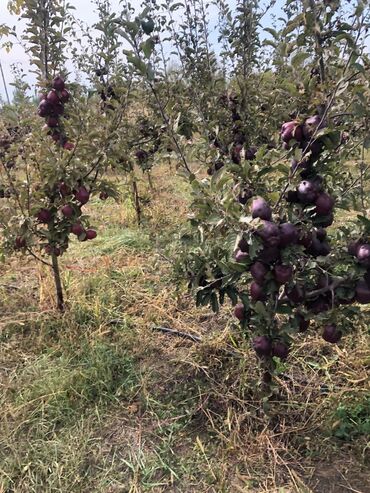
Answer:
(67, 210)
(241, 256)
(69, 146)
(262, 345)
(64, 189)
(245, 195)
(363, 254)
(236, 153)
(325, 249)
(267, 377)
(91, 234)
(314, 148)
(296, 294)
(291, 130)
(362, 292)
(141, 155)
(44, 216)
(283, 273)
(331, 334)
(239, 312)
(243, 245)
(367, 277)
(103, 195)
(353, 246)
(319, 248)
(257, 293)
(77, 229)
(56, 136)
(280, 349)
(307, 192)
(45, 108)
(269, 233)
(219, 164)
(261, 209)
(324, 204)
(53, 98)
(320, 305)
(321, 234)
(325, 221)
(303, 324)
(82, 195)
(269, 255)
(292, 197)
(259, 271)
(58, 109)
(50, 250)
(305, 239)
(58, 83)
(52, 122)
(64, 96)
(288, 234)
(250, 153)
(20, 242)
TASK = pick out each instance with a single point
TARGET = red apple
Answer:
(77, 229)
(362, 292)
(239, 312)
(324, 204)
(257, 293)
(58, 83)
(82, 195)
(280, 349)
(259, 271)
(67, 210)
(64, 96)
(363, 254)
(283, 273)
(91, 234)
(331, 334)
(64, 189)
(262, 345)
(20, 242)
(44, 216)
(261, 209)
(53, 98)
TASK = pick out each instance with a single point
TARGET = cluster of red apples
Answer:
(269, 272)
(51, 108)
(64, 218)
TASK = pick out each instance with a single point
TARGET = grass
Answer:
(96, 401)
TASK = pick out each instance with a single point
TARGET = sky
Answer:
(84, 11)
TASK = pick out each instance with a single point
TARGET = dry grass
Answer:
(96, 401)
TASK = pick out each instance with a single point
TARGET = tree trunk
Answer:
(136, 198)
(58, 283)
(150, 181)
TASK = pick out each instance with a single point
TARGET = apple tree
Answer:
(57, 152)
(283, 131)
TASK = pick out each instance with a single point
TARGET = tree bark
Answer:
(58, 283)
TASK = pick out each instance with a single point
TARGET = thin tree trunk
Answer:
(135, 197)
(150, 181)
(58, 283)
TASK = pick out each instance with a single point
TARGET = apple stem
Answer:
(58, 283)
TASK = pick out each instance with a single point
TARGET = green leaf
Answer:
(147, 47)
(299, 58)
